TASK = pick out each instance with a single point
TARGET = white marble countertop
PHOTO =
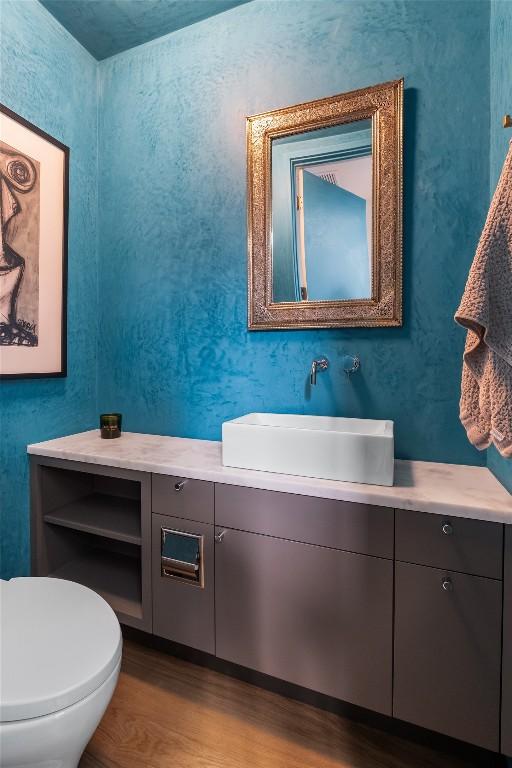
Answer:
(449, 489)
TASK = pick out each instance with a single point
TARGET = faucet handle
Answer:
(351, 364)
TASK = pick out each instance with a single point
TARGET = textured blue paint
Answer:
(48, 78)
(106, 27)
(501, 102)
(176, 357)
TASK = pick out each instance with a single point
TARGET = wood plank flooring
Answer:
(167, 713)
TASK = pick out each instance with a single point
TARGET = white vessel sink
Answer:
(332, 448)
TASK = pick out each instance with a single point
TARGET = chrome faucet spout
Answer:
(312, 375)
(321, 364)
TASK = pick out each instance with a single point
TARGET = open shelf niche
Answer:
(94, 528)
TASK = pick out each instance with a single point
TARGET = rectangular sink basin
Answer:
(327, 447)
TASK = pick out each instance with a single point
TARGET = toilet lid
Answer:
(59, 641)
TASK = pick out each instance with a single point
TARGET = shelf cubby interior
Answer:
(111, 568)
(92, 533)
(104, 506)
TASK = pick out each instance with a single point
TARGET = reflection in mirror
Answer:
(322, 214)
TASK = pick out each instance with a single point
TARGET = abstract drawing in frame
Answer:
(34, 169)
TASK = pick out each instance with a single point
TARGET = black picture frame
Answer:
(61, 372)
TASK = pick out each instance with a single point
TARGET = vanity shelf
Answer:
(116, 577)
(102, 515)
(92, 525)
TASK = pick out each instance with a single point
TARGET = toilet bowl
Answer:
(60, 655)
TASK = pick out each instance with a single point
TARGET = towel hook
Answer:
(507, 121)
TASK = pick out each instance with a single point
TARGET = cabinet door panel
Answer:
(447, 653)
(506, 717)
(313, 616)
(184, 612)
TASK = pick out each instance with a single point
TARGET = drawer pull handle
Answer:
(219, 537)
(447, 529)
(179, 485)
(447, 585)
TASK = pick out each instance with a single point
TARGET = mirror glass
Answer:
(322, 190)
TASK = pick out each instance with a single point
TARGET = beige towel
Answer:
(486, 311)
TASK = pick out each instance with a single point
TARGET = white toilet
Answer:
(60, 654)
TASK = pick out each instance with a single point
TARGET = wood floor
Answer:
(167, 713)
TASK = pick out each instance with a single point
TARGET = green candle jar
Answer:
(110, 425)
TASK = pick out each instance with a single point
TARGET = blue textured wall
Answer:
(176, 357)
(49, 79)
(501, 102)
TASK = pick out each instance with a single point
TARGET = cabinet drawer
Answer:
(360, 528)
(181, 497)
(448, 653)
(455, 543)
(184, 612)
(313, 616)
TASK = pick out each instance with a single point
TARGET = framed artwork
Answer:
(34, 171)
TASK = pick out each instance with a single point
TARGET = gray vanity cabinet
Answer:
(447, 652)
(183, 561)
(183, 610)
(314, 616)
(404, 613)
(506, 716)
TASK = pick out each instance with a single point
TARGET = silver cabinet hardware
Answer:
(182, 556)
(173, 567)
(447, 529)
(219, 537)
(447, 584)
(179, 485)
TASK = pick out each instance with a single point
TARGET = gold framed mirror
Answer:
(325, 212)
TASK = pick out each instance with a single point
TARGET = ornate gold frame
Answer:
(384, 105)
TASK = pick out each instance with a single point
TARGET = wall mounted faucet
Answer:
(321, 364)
